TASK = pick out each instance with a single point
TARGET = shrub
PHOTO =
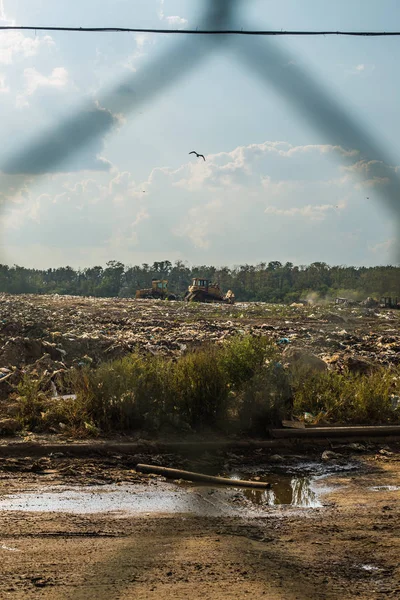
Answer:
(265, 400)
(31, 402)
(346, 397)
(242, 357)
(237, 385)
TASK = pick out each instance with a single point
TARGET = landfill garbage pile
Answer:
(49, 335)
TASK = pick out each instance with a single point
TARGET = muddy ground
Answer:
(222, 545)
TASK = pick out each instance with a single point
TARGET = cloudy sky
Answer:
(301, 135)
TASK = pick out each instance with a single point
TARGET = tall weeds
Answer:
(237, 386)
(346, 397)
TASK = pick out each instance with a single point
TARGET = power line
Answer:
(202, 31)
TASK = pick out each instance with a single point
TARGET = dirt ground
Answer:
(347, 548)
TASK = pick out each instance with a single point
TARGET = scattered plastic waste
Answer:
(330, 455)
(370, 568)
(395, 402)
(46, 336)
(386, 488)
(8, 549)
(355, 446)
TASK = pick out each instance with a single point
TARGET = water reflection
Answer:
(294, 491)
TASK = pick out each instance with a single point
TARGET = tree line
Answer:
(265, 282)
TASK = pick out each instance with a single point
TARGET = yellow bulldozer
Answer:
(158, 291)
(202, 290)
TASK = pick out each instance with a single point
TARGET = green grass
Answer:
(31, 402)
(347, 398)
(192, 392)
(238, 386)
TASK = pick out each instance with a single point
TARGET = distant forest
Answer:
(265, 282)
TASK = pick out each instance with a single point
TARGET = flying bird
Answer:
(198, 155)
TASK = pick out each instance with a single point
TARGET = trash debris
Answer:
(308, 417)
(358, 365)
(330, 455)
(45, 337)
(8, 549)
(385, 452)
(355, 446)
(395, 402)
(276, 458)
(370, 302)
(306, 360)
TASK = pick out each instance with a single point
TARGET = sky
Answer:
(301, 135)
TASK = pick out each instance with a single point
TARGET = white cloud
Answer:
(360, 69)
(373, 173)
(177, 22)
(237, 206)
(88, 208)
(15, 47)
(200, 222)
(321, 148)
(314, 213)
(142, 41)
(58, 79)
(384, 248)
(4, 89)
(173, 21)
(237, 168)
(15, 44)
(34, 80)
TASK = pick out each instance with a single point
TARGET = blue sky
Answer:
(278, 183)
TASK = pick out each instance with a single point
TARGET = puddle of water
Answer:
(98, 499)
(370, 568)
(297, 491)
(9, 549)
(385, 488)
(167, 498)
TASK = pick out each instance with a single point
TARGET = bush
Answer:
(242, 357)
(237, 385)
(31, 402)
(265, 400)
(192, 392)
(199, 387)
(346, 397)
